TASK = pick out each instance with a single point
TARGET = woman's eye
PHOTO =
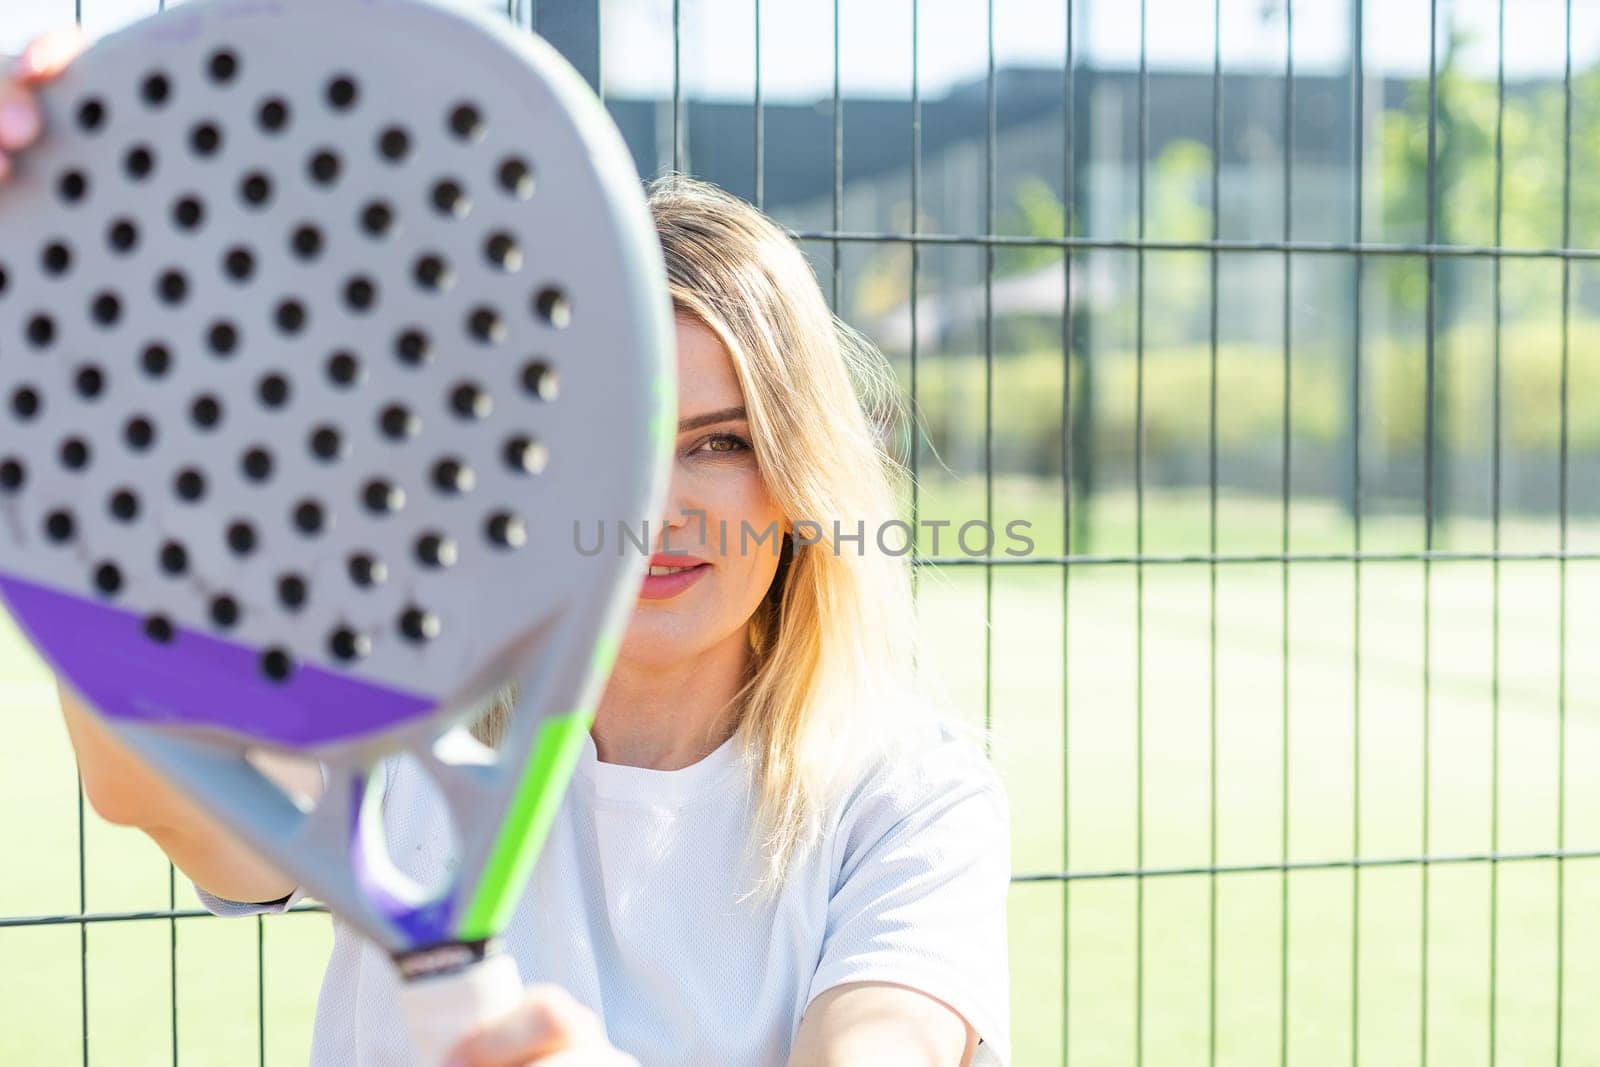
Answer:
(725, 444)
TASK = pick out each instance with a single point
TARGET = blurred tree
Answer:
(1035, 211)
(1532, 175)
(1523, 196)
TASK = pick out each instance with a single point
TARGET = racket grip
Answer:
(441, 1010)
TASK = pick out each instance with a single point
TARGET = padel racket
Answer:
(322, 322)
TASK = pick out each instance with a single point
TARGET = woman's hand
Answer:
(20, 122)
(548, 1029)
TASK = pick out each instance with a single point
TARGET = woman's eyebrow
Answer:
(725, 415)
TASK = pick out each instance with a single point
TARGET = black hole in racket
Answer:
(347, 644)
(222, 339)
(552, 307)
(501, 250)
(436, 550)
(293, 591)
(516, 178)
(394, 144)
(223, 67)
(255, 189)
(273, 114)
(90, 382)
(156, 360)
(241, 538)
(156, 89)
(414, 348)
(306, 241)
(73, 186)
(5, 279)
(449, 198)
(206, 411)
(239, 264)
(486, 326)
(273, 390)
(106, 309)
(13, 475)
(525, 455)
(189, 485)
(342, 93)
(26, 402)
(256, 464)
(377, 219)
(539, 380)
(469, 401)
(344, 370)
(140, 433)
(75, 453)
(139, 162)
(453, 477)
(60, 526)
(383, 498)
(56, 259)
(399, 423)
(367, 571)
(505, 530)
(91, 114)
(290, 316)
(466, 123)
(360, 294)
(327, 443)
(174, 559)
(418, 625)
(108, 579)
(205, 139)
(124, 505)
(324, 167)
(225, 612)
(172, 287)
(309, 517)
(159, 629)
(123, 236)
(189, 213)
(434, 274)
(277, 665)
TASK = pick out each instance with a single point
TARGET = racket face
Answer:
(321, 323)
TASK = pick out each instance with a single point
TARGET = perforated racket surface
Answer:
(321, 321)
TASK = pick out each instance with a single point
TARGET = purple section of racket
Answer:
(198, 681)
(424, 922)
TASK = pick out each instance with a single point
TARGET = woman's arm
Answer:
(861, 1023)
(914, 966)
(124, 791)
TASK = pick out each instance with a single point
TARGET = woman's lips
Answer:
(664, 586)
(674, 559)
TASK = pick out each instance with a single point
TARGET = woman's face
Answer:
(716, 492)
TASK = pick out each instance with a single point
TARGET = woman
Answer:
(770, 852)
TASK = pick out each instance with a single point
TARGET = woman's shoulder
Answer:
(932, 772)
(924, 749)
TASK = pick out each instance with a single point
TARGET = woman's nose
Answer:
(683, 520)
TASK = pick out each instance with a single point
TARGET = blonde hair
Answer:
(833, 679)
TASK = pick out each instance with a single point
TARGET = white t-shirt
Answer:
(633, 908)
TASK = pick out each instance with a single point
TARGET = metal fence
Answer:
(1216, 619)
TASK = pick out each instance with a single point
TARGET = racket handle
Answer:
(441, 1010)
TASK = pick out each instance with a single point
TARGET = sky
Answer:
(875, 39)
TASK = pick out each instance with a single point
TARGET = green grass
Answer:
(129, 964)
(1087, 742)
(1071, 763)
